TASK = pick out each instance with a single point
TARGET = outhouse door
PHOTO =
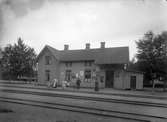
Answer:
(133, 82)
(109, 79)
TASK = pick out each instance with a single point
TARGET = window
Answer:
(85, 63)
(47, 60)
(47, 75)
(87, 74)
(68, 75)
(68, 64)
(88, 63)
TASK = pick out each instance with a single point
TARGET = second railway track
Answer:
(87, 110)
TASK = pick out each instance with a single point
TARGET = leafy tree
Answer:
(18, 60)
(152, 58)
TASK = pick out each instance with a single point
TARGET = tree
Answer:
(18, 60)
(152, 58)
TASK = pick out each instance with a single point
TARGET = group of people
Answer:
(54, 83)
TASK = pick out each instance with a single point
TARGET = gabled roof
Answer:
(52, 50)
(117, 55)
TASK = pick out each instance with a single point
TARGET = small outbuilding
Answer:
(128, 79)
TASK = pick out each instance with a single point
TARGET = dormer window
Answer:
(47, 60)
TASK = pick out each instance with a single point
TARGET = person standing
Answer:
(96, 85)
(64, 84)
(55, 83)
(78, 83)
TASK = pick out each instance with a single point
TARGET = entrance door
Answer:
(109, 79)
(68, 75)
(133, 82)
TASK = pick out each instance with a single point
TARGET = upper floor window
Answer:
(68, 64)
(47, 60)
(88, 63)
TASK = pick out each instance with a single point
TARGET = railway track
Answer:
(111, 100)
(94, 111)
(88, 92)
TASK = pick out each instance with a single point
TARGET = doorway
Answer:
(109, 79)
(133, 82)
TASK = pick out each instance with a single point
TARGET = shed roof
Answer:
(134, 71)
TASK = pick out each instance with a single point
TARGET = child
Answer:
(55, 83)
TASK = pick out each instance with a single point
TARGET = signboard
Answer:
(81, 73)
(77, 75)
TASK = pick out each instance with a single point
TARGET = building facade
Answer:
(90, 65)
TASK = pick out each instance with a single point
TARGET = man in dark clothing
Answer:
(78, 83)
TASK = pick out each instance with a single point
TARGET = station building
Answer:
(106, 65)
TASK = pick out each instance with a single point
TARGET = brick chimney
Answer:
(87, 46)
(66, 47)
(102, 45)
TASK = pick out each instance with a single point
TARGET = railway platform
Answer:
(146, 92)
(103, 93)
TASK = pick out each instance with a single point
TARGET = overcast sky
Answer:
(76, 22)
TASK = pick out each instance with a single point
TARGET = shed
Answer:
(128, 79)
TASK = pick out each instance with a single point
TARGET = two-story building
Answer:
(107, 65)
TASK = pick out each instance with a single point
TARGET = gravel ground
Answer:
(24, 113)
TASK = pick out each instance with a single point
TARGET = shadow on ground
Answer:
(3, 110)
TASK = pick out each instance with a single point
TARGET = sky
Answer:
(77, 22)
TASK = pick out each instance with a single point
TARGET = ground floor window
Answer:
(87, 75)
(47, 75)
(68, 75)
